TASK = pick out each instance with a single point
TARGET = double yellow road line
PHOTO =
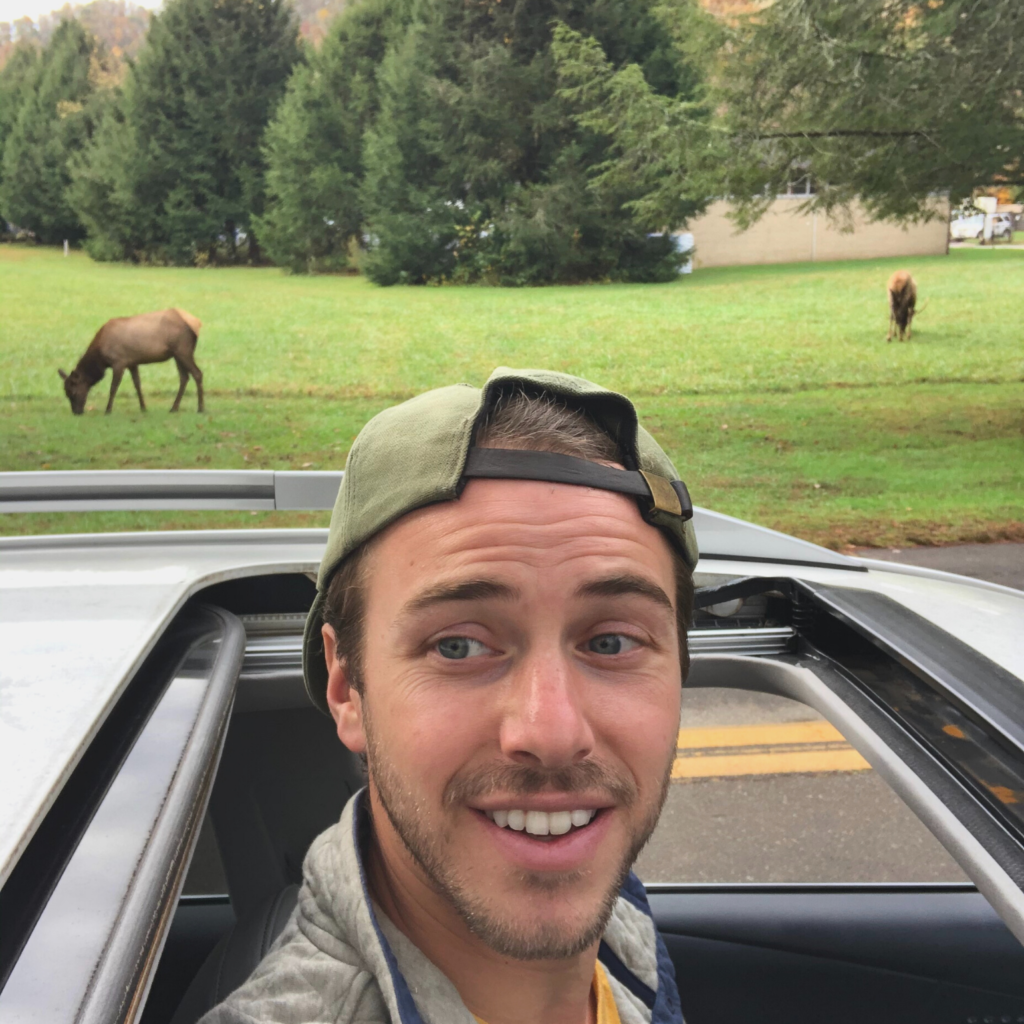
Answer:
(776, 749)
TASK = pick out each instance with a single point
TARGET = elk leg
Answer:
(892, 320)
(910, 320)
(115, 383)
(134, 371)
(182, 381)
(190, 367)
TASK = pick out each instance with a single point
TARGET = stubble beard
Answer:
(538, 940)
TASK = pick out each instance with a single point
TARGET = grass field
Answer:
(772, 387)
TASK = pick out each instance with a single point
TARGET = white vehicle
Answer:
(152, 682)
(974, 227)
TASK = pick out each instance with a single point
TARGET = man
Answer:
(499, 629)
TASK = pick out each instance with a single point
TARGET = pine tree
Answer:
(117, 224)
(433, 133)
(177, 173)
(54, 120)
(314, 145)
(15, 77)
(480, 171)
(412, 205)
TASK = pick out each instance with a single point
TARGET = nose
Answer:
(546, 723)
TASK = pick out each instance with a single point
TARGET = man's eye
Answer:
(611, 643)
(458, 647)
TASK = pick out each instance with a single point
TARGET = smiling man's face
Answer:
(519, 706)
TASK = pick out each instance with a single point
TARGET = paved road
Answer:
(997, 563)
(765, 791)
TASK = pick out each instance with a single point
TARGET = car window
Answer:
(766, 790)
(206, 871)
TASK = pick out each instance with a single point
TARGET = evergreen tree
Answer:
(476, 168)
(664, 149)
(433, 133)
(314, 145)
(413, 207)
(15, 75)
(54, 119)
(117, 224)
(176, 171)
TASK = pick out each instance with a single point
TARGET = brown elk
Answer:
(902, 299)
(127, 342)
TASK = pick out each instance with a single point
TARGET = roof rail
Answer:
(134, 490)
(138, 489)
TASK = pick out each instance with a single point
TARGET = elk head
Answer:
(77, 389)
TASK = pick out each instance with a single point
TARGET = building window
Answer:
(799, 188)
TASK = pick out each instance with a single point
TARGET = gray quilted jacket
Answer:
(340, 960)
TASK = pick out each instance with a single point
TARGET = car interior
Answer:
(889, 953)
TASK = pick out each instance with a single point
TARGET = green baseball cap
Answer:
(421, 452)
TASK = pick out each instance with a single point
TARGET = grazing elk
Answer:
(902, 299)
(128, 341)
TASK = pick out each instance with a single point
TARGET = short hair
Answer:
(519, 421)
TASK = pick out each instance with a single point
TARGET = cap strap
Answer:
(516, 464)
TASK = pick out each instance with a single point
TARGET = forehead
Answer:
(510, 525)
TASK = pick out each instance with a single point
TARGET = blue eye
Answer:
(459, 647)
(611, 643)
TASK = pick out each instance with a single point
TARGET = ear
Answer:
(63, 375)
(345, 705)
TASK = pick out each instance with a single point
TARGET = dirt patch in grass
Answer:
(848, 537)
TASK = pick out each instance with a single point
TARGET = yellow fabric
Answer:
(607, 1011)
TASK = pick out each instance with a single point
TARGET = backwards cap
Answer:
(421, 452)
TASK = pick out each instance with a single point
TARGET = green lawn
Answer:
(772, 387)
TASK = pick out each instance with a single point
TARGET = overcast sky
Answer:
(13, 9)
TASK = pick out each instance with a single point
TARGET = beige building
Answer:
(785, 235)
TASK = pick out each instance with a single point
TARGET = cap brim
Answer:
(314, 668)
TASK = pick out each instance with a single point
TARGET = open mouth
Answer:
(542, 824)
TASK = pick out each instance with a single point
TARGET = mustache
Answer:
(523, 780)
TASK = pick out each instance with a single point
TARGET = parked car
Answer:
(154, 725)
(974, 226)
(1002, 225)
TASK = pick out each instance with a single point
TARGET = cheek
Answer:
(642, 727)
(426, 732)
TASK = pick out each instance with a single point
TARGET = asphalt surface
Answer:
(997, 563)
(792, 825)
(839, 827)
(799, 826)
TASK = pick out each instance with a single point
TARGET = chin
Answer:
(559, 915)
(539, 937)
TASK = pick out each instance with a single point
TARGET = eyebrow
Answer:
(467, 590)
(624, 585)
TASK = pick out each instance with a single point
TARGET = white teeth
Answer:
(537, 823)
(559, 822)
(541, 823)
